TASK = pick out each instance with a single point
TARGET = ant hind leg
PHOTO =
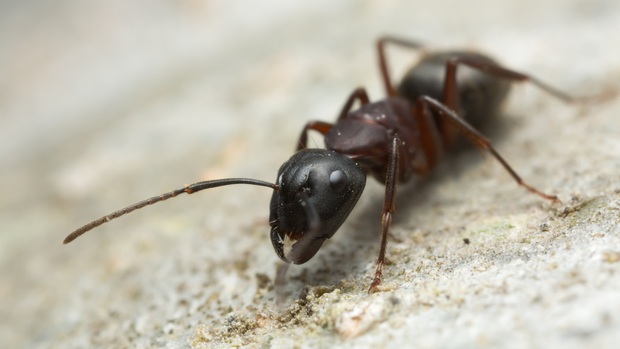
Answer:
(480, 142)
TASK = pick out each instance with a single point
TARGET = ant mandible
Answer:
(403, 134)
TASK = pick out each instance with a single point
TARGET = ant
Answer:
(403, 134)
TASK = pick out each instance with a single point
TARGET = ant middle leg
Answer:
(481, 142)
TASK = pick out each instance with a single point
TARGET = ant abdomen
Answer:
(480, 94)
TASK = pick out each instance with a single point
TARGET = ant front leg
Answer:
(319, 126)
(481, 142)
(324, 127)
(390, 90)
(388, 211)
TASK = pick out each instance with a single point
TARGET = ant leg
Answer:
(357, 94)
(388, 211)
(319, 126)
(479, 141)
(324, 127)
(390, 90)
(451, 91)
(430, 138)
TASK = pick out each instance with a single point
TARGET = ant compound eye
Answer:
(338, 179)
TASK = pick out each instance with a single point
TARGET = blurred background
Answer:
(105, 103)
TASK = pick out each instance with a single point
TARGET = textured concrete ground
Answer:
(104, 104)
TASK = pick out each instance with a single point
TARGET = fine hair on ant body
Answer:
(392, 139)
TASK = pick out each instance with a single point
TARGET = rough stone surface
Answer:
(104, 104)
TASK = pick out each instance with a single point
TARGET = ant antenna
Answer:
(189, 189)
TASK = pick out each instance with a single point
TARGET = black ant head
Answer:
(317, 189)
